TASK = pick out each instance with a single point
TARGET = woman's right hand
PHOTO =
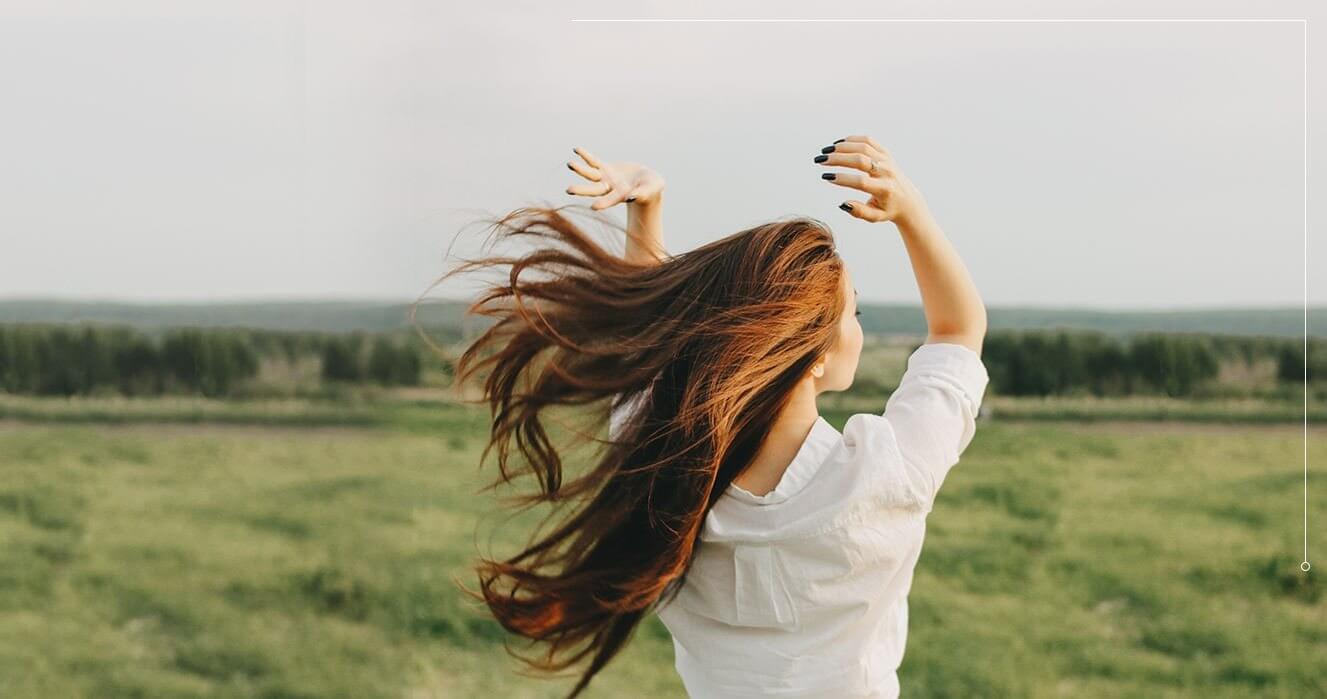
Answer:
(613, 183)
(893, 196)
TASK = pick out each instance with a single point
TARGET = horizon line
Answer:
(272, 300)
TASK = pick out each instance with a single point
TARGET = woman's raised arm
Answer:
(645, 230)
(954, 310)
(640, 187)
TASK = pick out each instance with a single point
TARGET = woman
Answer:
(778, 551)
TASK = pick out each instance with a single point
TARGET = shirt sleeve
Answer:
(618, 417)
(933, 413)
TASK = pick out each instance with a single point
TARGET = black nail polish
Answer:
(827, 149)
(569, 167)
(821, 158)
(841, 140)
(846, 207)
(631, 199)
(828, 175)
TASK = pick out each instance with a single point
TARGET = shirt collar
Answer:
(808, 460)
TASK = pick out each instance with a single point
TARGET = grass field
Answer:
(315, 559)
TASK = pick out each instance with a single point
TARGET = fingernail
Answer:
(631, 199)
(841, 140)
(821, 158)
(569, 167)
(846, 207)
(828, 175)
(827, 149)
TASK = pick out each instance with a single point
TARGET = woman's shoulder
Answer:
(869, 448)
(868, 435)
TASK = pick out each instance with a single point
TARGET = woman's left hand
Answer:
(613, 183)
(893, 196)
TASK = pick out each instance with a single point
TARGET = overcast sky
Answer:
(245, 150)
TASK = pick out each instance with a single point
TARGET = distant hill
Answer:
(325, 316)
(888, 319)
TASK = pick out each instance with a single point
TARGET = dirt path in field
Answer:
(179, 428)
(1174, 426)
(1099, 426)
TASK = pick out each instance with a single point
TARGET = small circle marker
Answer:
(1305, 566)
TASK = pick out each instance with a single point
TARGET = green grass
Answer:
(191, 560)
(436, 411)
(1083, 563)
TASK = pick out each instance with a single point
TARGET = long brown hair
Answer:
(711, 342)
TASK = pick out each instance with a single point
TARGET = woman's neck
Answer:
(782, 442)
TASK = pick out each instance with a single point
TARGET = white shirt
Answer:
(802, 592)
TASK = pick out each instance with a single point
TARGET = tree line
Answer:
(54, 359)
(1059, 362)
(66, 360)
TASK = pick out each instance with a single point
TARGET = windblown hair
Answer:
(711, 342)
